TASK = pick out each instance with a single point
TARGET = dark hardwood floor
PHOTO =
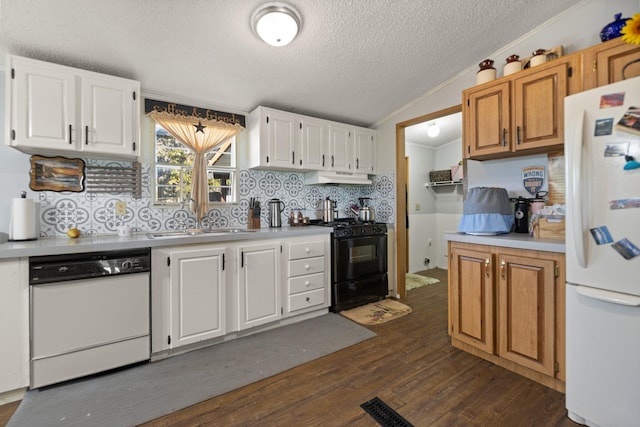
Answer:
(410, 365)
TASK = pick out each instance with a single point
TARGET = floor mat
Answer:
(376, 313)
(133, 396)
(413, 281)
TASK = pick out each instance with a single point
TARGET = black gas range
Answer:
(358, 262)
(352, 227)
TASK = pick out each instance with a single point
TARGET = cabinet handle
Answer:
(86, 135)
(323, 160)
(518, 135)
(308, 299)
(487, 264)
(357, 164)
(307, 283)
(504, 137)
(503, 265)
(332, 161)
(306, 267)
(70, 130)
(293, 157)
(307, 250)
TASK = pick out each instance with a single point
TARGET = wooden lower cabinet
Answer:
(507, 306)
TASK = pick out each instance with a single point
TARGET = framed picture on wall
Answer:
(56, 174)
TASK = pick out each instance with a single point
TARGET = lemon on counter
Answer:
(73, 233)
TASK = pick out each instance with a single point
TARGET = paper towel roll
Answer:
(22, 224)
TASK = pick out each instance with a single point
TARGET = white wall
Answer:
(578, 28)
(439, 207)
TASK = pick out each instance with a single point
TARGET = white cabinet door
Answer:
(341, 146)
(365, 150)
(14, 324)
(314, 136)
(258, 284)
(43, 106)
(283, 139)
(188, 295)
(109, 119)
(197, 295)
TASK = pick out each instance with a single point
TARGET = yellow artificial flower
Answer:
(631, 31)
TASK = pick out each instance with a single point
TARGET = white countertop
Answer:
(92, 243)
(510, 240)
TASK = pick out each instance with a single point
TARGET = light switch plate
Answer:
(121, 208)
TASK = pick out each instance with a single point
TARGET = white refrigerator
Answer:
(602, 155)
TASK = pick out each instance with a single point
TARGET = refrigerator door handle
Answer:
(578, 235)
(609, 296)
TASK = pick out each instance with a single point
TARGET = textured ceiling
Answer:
(355, 61)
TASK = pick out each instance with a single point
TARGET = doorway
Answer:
(402, 192)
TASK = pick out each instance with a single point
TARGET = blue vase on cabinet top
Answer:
(612, 29)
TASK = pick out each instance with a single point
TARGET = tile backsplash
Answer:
(94, 213)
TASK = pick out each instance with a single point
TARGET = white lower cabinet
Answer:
(188, 295)
(307, 274)
(14, 325)
(206, 291)
(258, 283)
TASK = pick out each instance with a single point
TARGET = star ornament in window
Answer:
(199, 127)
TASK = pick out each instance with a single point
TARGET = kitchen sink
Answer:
(195, 232)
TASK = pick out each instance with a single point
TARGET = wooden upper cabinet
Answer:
(519, 114)
(610, 62)
(488, 120)
(539, 107)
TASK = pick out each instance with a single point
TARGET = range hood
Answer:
(327, 178)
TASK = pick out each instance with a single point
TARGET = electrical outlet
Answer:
(121, 208)
(417, 206)
(427, 261)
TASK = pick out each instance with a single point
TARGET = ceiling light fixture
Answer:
(276, 23)
(433, 130)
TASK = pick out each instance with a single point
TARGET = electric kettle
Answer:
(328, 210)
(276, 206)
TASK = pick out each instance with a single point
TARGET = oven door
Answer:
(359, 257)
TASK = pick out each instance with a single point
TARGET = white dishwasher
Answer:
(89, 313)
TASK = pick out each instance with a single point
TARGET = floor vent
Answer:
(383, 414)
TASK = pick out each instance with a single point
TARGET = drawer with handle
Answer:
(306, 299)
(306, 283)
(306, 250)
(306, 266)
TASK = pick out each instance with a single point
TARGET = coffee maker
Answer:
(521, 214)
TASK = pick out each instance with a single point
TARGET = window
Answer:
(173, 171)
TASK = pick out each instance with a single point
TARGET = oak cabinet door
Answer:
(488, 130)
(526, 307)
(473, 298)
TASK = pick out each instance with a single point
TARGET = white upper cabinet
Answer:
(110, 116)
(314, 136)
(277, 139)
(287, 141)
(341, 147)
(365, 150)
(56, 109)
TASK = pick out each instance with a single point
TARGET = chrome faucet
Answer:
(192, 200)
